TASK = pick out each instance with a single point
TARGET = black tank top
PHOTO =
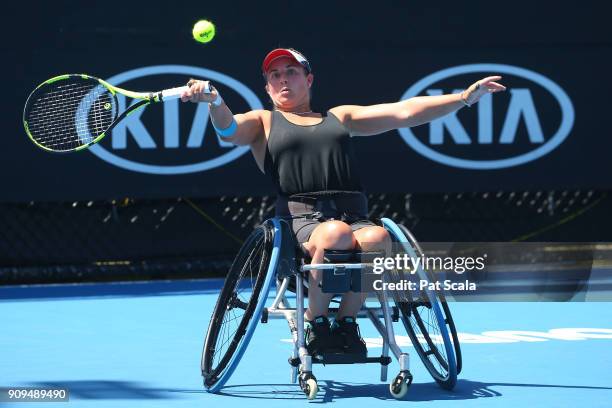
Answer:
(311, 158)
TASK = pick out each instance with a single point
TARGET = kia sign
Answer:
(547, 131)
(522, 112)
(167, 136)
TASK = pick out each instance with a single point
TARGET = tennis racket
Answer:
(71, 112)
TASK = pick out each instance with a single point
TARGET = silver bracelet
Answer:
(464, 100)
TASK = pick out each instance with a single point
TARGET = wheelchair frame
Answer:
(283, 267)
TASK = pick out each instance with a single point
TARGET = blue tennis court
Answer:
(139, 344)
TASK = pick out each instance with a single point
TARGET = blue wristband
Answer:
(228, 131)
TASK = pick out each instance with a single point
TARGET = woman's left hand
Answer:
(480, 88)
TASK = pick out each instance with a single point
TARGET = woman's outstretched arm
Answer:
(375, 119)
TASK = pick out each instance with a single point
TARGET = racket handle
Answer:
(175, 93)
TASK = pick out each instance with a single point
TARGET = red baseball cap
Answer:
(285, 52)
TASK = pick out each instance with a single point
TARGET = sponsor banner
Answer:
(547, 131)
(487, 146)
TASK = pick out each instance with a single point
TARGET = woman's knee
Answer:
(372, 237)
(332, 235)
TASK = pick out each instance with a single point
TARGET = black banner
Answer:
(548, 131)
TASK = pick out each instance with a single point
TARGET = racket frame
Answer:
(145, 99)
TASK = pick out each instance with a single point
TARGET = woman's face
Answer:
(288, 85)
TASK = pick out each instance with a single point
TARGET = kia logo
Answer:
(135, 134)
(531, 111)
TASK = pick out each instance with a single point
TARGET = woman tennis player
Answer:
(310, 157)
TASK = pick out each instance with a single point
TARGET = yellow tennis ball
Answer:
(203, 31)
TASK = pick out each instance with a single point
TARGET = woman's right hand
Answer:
(197, 92)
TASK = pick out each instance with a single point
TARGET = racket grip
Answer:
(173, 93)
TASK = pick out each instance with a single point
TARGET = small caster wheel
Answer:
(311, 389)
(398, 391)
(399, 386)
(308, 384)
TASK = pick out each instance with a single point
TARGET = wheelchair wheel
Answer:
(239, 306)
(425, 319)
(448, 317)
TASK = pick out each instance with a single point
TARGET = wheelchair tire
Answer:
(245, 290)
(425, 319)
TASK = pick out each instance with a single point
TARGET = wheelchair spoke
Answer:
(227, 334)
(234, 318)
(424, 325)
(249, 271)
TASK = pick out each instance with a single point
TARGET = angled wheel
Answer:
(239, 305)
(427, 322)
(448, 317)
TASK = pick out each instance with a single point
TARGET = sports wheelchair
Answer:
(271, 254)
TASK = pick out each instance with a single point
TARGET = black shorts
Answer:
(306, 211)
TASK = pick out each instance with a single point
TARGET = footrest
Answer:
(341, 358)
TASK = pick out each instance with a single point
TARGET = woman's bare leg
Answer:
(373, 238)
(327, 235)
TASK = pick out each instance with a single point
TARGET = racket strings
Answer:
(59, 107)
(68, 115)
(62, 128)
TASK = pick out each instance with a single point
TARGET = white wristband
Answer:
(218, 100)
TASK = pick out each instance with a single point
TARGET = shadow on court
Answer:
(329, 390)
(335, 390)
(108, 390)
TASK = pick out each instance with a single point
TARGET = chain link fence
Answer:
(191, 238)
